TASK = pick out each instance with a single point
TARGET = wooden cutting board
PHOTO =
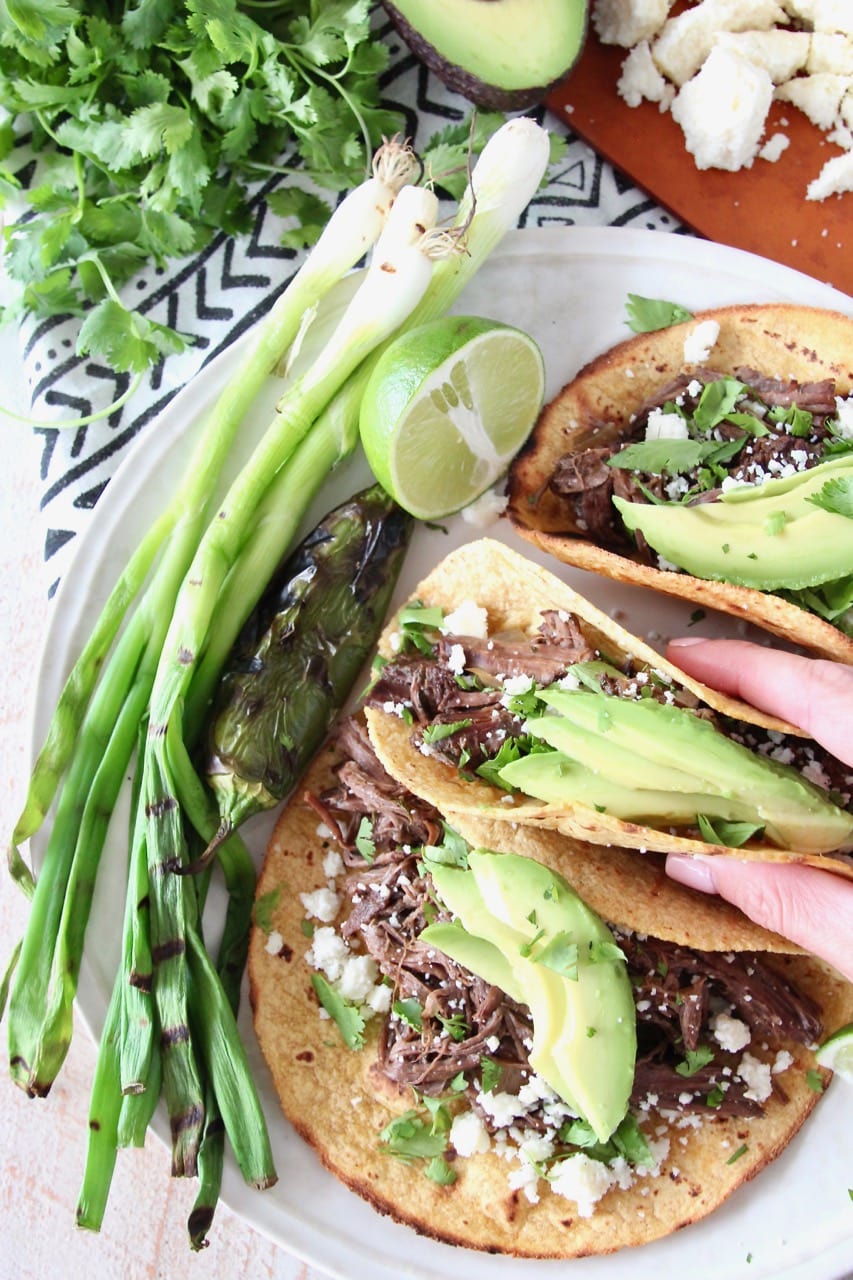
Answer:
(762, 209)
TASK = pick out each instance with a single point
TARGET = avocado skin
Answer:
(490, 96)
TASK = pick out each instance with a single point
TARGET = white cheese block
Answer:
(686, 40)
(640, 78)
(818, 96)
(627, 22)
(781, 53)
(835, 178)
(722, 111)
(830, 51)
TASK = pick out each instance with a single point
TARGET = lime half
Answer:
(446, 408)
(836, 1053)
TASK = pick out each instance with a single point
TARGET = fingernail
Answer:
(692, 870)
(684, 642)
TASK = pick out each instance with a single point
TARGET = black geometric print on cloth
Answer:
(218, 294)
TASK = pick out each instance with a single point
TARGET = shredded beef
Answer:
(466, 1020)
(586, 482)
(818, 398)
(484, 722)
(366, 789)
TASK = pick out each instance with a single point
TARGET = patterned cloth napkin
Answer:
(216, 296)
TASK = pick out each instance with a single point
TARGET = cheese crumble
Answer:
(718, 65)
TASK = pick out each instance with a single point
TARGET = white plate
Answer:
(567, 287)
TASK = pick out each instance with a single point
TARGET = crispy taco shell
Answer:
(338, 1102)
(515, 592)
(595, 410)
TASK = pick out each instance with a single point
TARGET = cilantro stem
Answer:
(64, 424)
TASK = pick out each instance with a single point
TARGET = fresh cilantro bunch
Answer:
(135, 132)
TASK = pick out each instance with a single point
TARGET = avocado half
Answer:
(504, 55)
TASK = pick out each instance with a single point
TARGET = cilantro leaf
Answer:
(560, 954)
(645, 315)
(345, 1015)
(673, 457)
(814, 1080)
(491, 1073)
(438, 731)
(364, 841)
(694, 1060)
(124, 339)
(836, 496)
(411, 1012)
(717, 402)
(438, 1170)
(722, 831)
(452, 852)
(306, 211)
(262, 912)
(798, 421)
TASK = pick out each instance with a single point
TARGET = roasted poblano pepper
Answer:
(299, 654)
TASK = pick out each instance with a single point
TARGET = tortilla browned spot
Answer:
(595, 408)
(514, 593)
(334, 1100)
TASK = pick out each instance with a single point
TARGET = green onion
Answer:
(146, 673)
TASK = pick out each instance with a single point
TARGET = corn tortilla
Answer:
(514, 593)
(337, 1102)
(596, 407)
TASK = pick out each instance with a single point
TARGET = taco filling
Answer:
(549, 716)
(717, 1034)
(715, 451)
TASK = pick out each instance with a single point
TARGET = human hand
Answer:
(810, 907)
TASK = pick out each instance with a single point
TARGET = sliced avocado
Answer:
(729, 780)
(768, 536)
(557, 779)
(503, 54)
(566, 968)
(606, 758)
(490, 963)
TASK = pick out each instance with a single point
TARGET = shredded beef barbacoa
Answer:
(466, 1020)
(431, 693)
(588, 484)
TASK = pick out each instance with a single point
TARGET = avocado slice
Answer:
(770, 536)
(664, 760)
(560, 959)
(555, 778)
(504, 55)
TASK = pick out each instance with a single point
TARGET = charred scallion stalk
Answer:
(300, 653)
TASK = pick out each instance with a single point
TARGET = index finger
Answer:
(812, 693)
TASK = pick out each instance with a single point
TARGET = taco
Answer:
(413, 1078)
(505, 694)
(711, 460)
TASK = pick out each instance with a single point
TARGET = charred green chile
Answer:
(299, 654)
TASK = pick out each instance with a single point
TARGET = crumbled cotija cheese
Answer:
(469, 619)
(486, 509)
(700, 340)
(665, 426)
(641, 79)
(323, 904)
(844, 418)
(468, 1135)
(797, 51)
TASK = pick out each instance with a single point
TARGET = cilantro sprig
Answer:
(139, 131)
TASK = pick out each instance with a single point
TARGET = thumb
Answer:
(810, 907)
